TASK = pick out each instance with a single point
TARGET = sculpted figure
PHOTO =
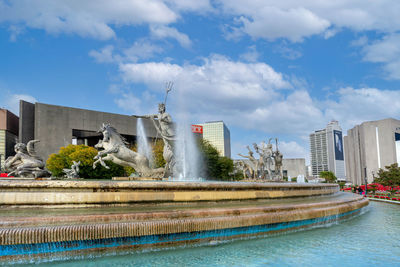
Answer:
(74, 171)
(26, 163)
(278, 157)
(165, 128)
(252, 169)
(115, 150)
(266, 157)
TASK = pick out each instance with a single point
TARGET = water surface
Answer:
(370, 239)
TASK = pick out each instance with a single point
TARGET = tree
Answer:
(390, 176)
(328, 176)
(85, 154)
(215, 166)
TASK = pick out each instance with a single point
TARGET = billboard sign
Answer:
(338, 145)
(197, 129)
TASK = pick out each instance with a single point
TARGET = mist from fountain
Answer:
(144, 147)
(187, 152)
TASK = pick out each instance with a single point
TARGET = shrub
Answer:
(85, 154)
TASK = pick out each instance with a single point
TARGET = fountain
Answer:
(62, 218)
(142, 142)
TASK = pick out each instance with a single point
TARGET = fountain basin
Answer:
(150, 214)
(86, 193)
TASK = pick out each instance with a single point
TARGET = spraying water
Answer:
(188, 157)
(144, 147)
(186, 151)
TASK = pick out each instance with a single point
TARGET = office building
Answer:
(326, 147)
(57, 126)
(8, 134)
(371, 146)
(219, 136)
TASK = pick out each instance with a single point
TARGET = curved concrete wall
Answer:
(31, 192)
(243, 209)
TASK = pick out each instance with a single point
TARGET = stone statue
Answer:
(74, 171)
(26, 163)
(165, 128)
(278, 158)
(252, 169)
(248, 171)
(266, 157)
(115, 150)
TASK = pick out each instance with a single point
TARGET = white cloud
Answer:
(355, 106)
(11, 101)
(85, 18)
(294, 23)
(387, 52)
(105, 55)
(141, 49)
(129, 102)
(292, 149)
(251, 55)
(296, 20)
(162, 32)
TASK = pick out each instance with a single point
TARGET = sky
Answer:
(266, 68)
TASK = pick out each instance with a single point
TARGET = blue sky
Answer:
(266, 68)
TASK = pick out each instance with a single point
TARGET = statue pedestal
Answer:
(136, 179)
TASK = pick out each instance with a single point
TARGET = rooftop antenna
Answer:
(168, 88)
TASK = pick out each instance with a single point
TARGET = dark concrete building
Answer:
(8, 134)
(57, 126)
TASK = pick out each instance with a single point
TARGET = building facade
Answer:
(327, 152)
(371, 146)
(8, 135)
(219, 136)
(57, 126)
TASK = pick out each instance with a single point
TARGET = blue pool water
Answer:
(370, 239)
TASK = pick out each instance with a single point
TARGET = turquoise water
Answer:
(371, 239)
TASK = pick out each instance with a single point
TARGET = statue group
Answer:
(261, 168)
(26, 163)
(113, 147)
(116, 150)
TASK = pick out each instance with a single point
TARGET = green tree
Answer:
(390, 176)
(85, 154)
(328, 176)
(215, 166)
(158, 149)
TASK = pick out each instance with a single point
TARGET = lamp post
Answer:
(366, 181)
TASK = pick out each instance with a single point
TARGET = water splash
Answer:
(144, 147)
(187, 152)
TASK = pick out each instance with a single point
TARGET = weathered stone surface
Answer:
(31, 192)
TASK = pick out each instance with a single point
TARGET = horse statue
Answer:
(115, 150)
(26, 163)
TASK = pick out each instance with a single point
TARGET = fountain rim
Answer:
(16, 183)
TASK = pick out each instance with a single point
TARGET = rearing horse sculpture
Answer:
(115, 150)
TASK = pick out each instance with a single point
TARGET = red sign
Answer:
(197, 129)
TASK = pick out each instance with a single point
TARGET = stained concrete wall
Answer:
(370, 145)
(53, 125)
(26, 121)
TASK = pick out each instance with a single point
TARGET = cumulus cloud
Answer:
(85, 18)
(11, 101)
(141, 49)
(387, 52)
(162, 32)
(292, 149)
(296, 20)
(355, 106)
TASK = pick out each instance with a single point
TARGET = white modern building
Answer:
(371, 146)
(219, 136)
(327, 154)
